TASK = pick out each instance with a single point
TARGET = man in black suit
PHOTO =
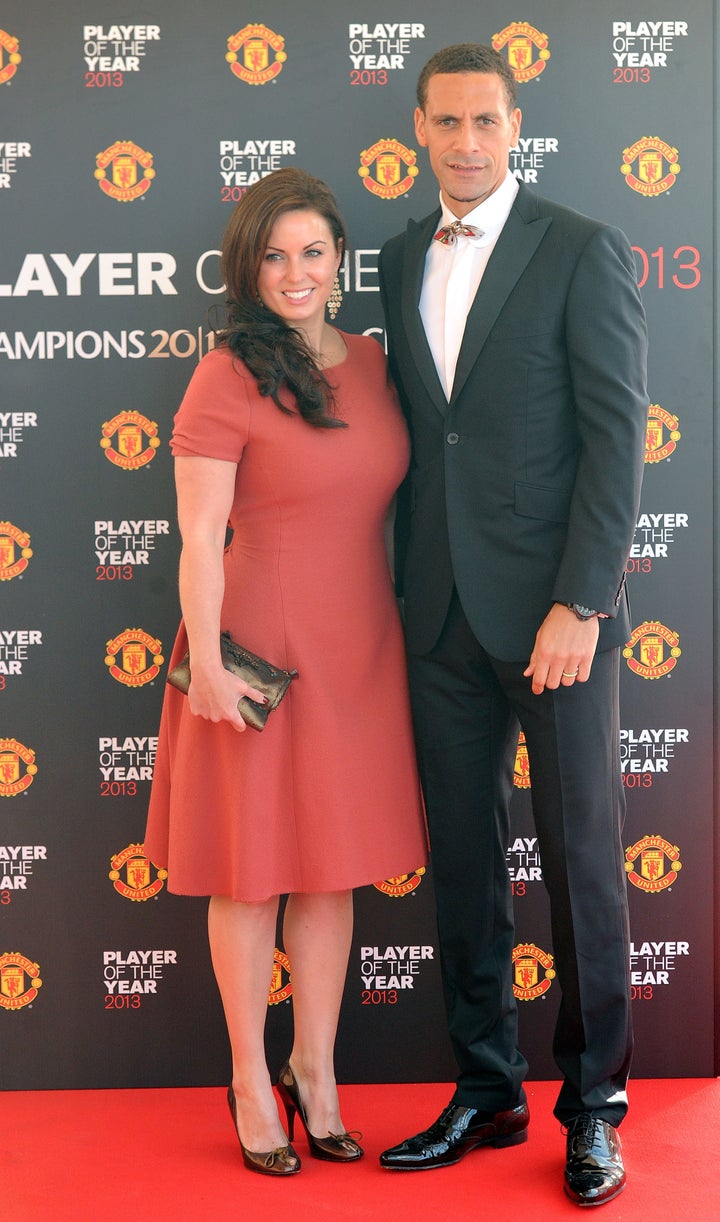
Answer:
(518, 347)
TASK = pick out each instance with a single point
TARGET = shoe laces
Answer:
(583, 1129)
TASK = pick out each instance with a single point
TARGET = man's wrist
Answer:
(580, 611)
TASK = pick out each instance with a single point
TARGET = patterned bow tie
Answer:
(449, 234)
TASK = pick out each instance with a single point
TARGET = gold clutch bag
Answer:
(271, 680)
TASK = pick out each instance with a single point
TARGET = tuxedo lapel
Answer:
(521, 235)
(417, 239)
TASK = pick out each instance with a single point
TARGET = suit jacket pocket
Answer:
(549, 504)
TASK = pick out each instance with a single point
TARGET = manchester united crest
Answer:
(124, 171)
(401, 884)
(652, 864)
(533, 971)
(650, 166)
(129, 440)
(10, 56)
(15, 551)
(521, 771)
(653, 650)
(17, 767)
(523, 41)
(662, 435)
(394, 167)
(280, 987)
(19, 981)
(250, 54)
(134, 658)
(134, 876)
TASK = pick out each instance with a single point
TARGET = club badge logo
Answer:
(280, 987)
(124, 161)
(17, 767)
(131, 874)
(533, 971)
(9, 56)
(129, 440)
(400, 884)
(652, 639)
(249, 54)
(652, 864)
(19, 981)
(662, 435)
(521, 40)
(395, 168)
(521, 772)
(134, 645)
(650, 177)
(15, 551)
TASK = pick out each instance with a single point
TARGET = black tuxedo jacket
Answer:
(524, 488)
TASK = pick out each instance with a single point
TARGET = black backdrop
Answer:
(126, 134)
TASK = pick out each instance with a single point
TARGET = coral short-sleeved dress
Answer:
(327, 797)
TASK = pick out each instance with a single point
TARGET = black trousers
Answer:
(467, 709)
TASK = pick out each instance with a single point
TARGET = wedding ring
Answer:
(570, 674)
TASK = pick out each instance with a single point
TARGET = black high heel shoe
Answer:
(336, 1147)
(281, 1161)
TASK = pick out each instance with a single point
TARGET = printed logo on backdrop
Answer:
(112, 52)
(10, 151)
(521, 771)
(14, 646)
(523, 862)
(280, 985)
(650, 166)
(123, 762)
(651, 964)
(130, 170)
(243, 162)
(527, 158)
(130, 976)
(662, 435)
(527, 50)
(16, 867)
(15, 551)
(19, 981)
(654, 535)
(653, 650)
(652, 864)
(134, 876)
(401, 884)
(639, 46)
(647, 753)
(250, 54)
(17, 767)
(140, 657)
(386, 972)
(122, 548)
(12, 426)
(375, 50)
(388, 169)
(10, 56)
(533, 971)
(129, 440)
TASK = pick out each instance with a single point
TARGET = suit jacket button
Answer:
(452, 439)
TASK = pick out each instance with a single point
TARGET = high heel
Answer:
(336, 1147)
(281, 1161)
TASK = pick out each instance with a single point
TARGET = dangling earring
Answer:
(335, 299)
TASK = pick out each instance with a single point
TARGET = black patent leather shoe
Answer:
(594, 1173)
(456, 1132)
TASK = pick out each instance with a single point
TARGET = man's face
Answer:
(468, 133)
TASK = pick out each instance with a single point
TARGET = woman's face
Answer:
(298, 268)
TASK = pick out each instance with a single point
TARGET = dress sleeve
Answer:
(213, 420)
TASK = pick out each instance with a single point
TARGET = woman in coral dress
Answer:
(289, 432)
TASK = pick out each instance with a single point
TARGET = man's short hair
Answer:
(468, 57)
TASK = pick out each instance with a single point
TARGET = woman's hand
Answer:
(214, 695)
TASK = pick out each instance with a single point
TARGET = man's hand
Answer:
(564, 650)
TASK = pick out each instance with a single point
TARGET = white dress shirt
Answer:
(453, 274)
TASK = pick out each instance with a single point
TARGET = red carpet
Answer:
(103, 1156)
